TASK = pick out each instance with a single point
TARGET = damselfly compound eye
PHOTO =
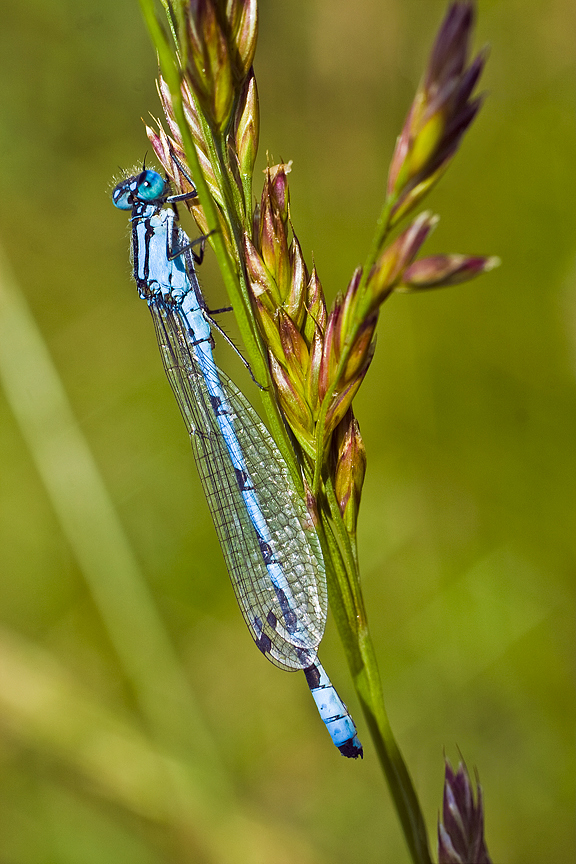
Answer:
(150, 186)
(122, 197)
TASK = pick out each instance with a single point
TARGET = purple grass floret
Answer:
(461, 831)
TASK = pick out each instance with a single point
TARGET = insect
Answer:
(270, 546)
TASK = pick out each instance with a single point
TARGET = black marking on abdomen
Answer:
(266, 550)
(305, 657)
(290, 618)
(243, 479)
(216, 403)
(312, 677)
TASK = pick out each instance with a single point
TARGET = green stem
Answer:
(349, 556)
(234, 205)
(364, 301)
(348, 609)
(369, 689)
(382, 230)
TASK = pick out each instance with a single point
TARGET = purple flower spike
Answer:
(461, 831)
(441, 112)
(439, 271)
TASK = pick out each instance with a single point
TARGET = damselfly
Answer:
(269, 543)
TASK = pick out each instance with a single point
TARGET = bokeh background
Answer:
(138, 724)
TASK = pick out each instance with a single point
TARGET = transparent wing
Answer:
(294, 541)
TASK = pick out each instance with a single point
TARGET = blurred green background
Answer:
(138, 723)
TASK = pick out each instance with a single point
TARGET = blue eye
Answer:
(150, 186)
(121, 196)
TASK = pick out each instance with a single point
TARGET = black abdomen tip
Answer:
(352, 749)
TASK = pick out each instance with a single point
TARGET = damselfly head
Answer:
(145, 188)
